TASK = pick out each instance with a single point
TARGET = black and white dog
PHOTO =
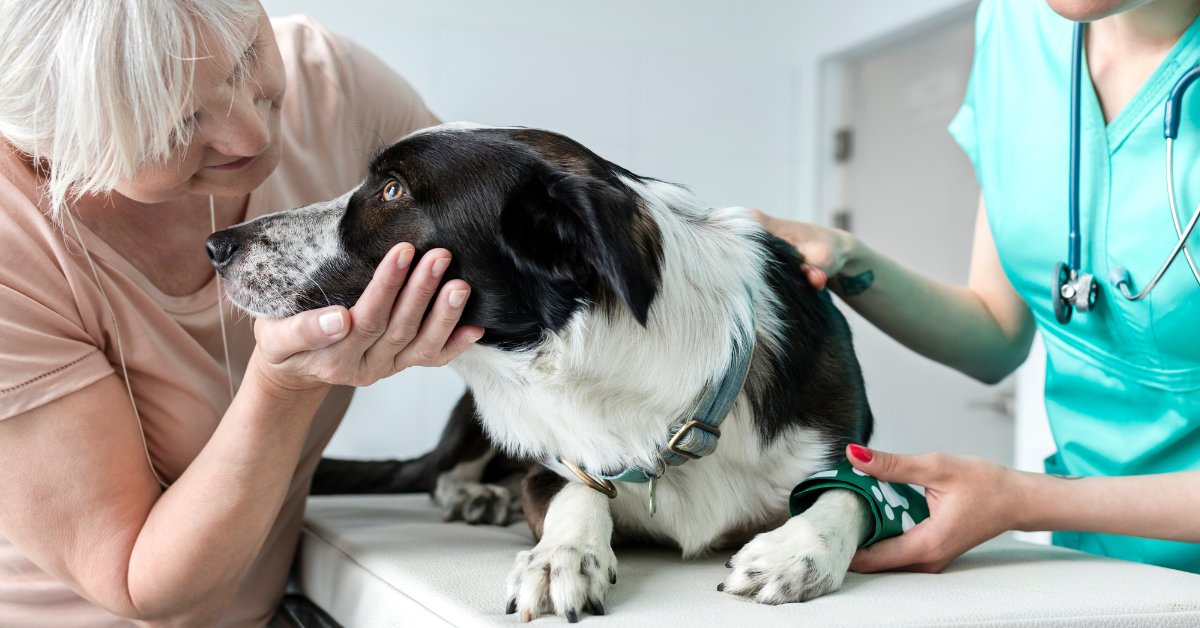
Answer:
(624, 320)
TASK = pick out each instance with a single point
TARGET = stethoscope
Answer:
(1072, 289)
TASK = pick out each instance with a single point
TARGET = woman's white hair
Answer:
(98, 88)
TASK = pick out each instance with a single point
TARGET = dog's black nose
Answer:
(221, 246)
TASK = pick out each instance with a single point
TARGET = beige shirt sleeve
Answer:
(45, 348)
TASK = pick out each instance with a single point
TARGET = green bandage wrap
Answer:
(894, 507)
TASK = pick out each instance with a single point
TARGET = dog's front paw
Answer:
(561, 579)
(477, 503)
(793, 563)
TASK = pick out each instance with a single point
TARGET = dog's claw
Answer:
(729, 564)
(721, 587)
(572, 616)
(526, 616)
(597, 607)
(512, 607)
(612, 577)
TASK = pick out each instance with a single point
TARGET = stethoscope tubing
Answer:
(1183, 234)
(1174, 209)
(1073, 243)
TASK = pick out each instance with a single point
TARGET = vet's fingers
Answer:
(280, 339)
(923, 469)
(437, 342)
(910, 551)
(374, 307)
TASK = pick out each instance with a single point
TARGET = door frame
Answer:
(834, 91)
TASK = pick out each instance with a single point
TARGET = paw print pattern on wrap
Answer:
(896, 508)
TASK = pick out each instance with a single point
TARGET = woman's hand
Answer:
(384, 333)
(971, 500)
(825, 251)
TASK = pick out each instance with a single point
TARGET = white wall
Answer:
(721, 96)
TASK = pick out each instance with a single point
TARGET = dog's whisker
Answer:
(314, 282)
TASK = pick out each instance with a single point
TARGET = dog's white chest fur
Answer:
(741, 488)
(604, 391)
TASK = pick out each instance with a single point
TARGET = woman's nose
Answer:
(243, 130)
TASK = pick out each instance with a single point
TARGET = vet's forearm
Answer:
(205, 531)
(1162, 506)
(945, 323)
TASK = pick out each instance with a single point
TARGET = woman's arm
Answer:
(972, 500)
(983, 329)
(1152, 506)
(78, 498)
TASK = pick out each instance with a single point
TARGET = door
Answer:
(903, 186)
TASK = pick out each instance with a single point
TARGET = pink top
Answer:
(56, 334)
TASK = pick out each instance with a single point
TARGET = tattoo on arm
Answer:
(858, 284)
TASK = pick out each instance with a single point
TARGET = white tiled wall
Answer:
(718, 95)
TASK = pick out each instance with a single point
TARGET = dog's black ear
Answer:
(563, 225)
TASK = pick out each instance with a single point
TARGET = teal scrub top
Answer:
(1122, 381)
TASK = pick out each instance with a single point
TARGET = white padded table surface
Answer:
(391, 561)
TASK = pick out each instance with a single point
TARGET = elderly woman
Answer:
(155, 451)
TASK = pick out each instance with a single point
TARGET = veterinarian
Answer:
(1123, 379)
(179, 497)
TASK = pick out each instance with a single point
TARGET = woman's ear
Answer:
(568, 226)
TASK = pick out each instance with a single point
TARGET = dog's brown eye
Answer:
(391, 191)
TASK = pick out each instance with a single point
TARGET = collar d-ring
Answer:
(602, 485)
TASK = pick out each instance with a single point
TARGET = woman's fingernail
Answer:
(458, 297)
(862, 453)
(475, 338)
(439, 266)
(405, 258)
(331, 322)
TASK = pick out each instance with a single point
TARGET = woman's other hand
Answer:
(385, 332)
(825, 250)
(971, 500)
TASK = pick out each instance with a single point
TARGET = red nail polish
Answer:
(862, 453)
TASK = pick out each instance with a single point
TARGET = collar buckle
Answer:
(673, 444)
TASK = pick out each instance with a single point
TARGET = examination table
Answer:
(391, 561)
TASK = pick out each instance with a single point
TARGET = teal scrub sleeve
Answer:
(894, 507)
(962, 127)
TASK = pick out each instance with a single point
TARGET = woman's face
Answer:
(235, 142)
(1092, 10)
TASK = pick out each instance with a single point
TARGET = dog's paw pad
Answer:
(561, 579)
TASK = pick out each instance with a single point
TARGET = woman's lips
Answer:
(234, 165)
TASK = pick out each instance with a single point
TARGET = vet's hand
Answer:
(971, 500)
(824, 250)
(384, 333)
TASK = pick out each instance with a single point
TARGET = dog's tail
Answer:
(341, 477)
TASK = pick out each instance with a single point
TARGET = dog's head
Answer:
(539, 226)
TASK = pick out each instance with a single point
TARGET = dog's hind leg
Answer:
(572, 567)
(804, 558)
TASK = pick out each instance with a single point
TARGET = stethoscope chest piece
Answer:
(1072, 291)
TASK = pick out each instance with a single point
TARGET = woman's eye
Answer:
(392, 190)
